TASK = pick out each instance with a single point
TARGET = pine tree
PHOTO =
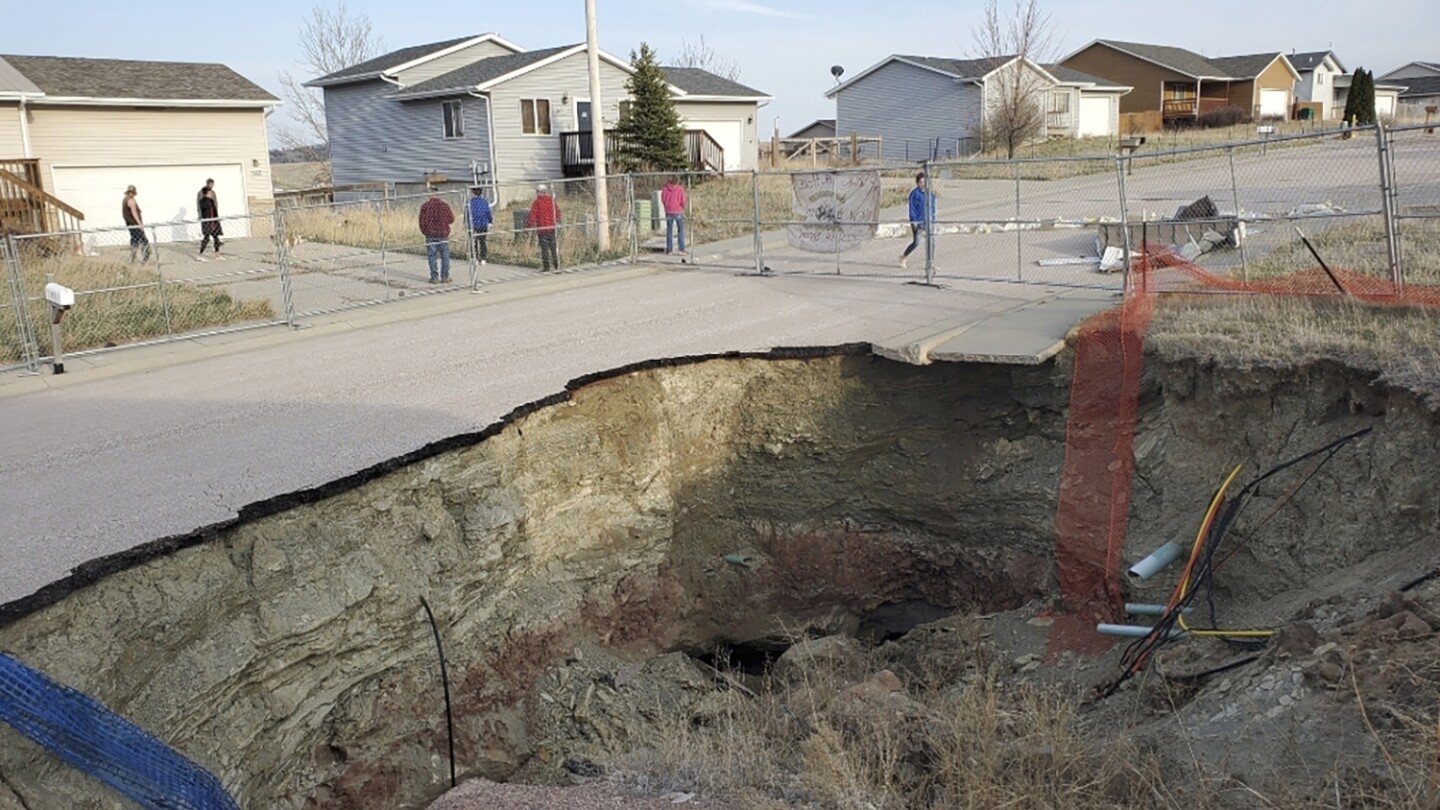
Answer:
(1360, 102)
(650, 138)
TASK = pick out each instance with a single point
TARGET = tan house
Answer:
(75, 132)
(1181, 84)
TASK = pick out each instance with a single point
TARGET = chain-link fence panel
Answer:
(1025, 221)
(1245, 212)
(715, 223)
(152, 283)
(1414, 160)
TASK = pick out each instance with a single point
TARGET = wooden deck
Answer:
(577, 152)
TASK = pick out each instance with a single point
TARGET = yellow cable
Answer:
(1194, 552)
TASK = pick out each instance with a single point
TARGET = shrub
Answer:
(1222, 117)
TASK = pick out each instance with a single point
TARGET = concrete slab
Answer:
(1028, 334)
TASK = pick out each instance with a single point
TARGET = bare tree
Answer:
(1016, 93)
(331, 39)
(704, 57)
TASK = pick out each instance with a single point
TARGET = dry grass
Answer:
(834, 735)
(143, 310)
(1401, 344)
(1353, 244)
(826, 736)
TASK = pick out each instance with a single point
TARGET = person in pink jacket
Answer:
(672, 197)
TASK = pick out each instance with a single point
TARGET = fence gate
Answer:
(29, 350)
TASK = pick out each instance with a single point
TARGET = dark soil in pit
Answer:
(668, 576)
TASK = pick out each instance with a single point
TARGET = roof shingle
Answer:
(476, 73)
(70, 77)
(1244, 67)
(1420, 87)
(384, 62)
(698, 82)
(1178, 59)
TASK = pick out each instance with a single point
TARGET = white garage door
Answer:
(166, 195)
(1094, 117)
(731, 137)
(1274, 103)
(1384, 105)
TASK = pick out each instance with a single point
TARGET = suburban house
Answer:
(1422, 87)
(925, 107)
(483, 110)
(75, 132)
(1318, 71)
(1180, 84)
(819, 128)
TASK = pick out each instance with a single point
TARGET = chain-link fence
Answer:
(1289, 211)
(141, 284)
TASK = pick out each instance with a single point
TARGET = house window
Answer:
(1059, 103)
(625, 110)
(454, 120)
(535, 116)
(1319, 77)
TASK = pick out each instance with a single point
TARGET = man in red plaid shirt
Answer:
(435, 220)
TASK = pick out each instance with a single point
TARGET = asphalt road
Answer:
(144, 443)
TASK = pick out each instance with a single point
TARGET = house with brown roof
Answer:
(75, 132)
(1182, 84)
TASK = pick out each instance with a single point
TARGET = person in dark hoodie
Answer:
(920, 217)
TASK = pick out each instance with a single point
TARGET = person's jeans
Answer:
(138, 241)
(673, 223)
(482, 244)
(915, 230)
(438, 246)
(549, 256)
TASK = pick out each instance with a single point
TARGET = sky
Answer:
(782, 47)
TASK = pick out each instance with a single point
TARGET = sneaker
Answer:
(482, 261)
(199, 258)
(433, 280)
(904, 263)
(444, 279)
(219, 258)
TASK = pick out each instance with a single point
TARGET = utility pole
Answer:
(597, 128)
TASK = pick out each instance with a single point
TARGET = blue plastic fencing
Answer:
(83, 732)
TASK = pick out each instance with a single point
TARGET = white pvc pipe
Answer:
(1141, 609)
(1156, 562)
(1133, 631)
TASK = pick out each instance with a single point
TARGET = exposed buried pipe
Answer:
(1134, 631)
(1141, 609)
(1156, 562)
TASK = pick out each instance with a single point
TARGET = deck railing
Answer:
(577, 152)
(25, 207)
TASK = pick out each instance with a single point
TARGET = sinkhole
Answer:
(654, 524)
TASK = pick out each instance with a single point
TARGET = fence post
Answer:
(1239, 224)
(632, 218)
(24, 326)
(756, 221)
(384, 259)
(1387, 206)
(282, 248)
(160, 275)
(1019, 231)
(1124, 226)
(927, 218)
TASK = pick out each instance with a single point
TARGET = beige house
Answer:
(75, 132)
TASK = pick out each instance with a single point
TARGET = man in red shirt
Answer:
(544, 217)
(435, 220)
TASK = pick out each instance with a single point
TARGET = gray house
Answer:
(927, 107)
(484, 110)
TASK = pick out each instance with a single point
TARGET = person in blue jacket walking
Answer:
(919, 220)
(480, 219)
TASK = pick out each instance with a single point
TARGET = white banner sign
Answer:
(836, 210)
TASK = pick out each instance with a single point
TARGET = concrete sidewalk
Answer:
(152, 441)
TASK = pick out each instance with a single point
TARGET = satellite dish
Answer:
(837, 71)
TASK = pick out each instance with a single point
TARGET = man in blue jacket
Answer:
(480, 218)
(919, 220)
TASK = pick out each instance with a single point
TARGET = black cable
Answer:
(445, 683)
(1203, 573)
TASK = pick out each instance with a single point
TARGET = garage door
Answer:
(166, 195)
(1384, 106)
(731, 137)
(1094, 117)
(1274, 103)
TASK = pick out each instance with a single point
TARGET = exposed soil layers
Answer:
(660, 510)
